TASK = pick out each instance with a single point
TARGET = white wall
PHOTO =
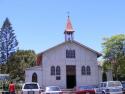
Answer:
(29, 73)
(109, 75)
(57, 56)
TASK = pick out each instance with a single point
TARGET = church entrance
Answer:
(71, 76)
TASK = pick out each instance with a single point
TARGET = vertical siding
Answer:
(57, 56)
(29, 74)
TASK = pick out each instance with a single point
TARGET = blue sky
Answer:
(40, 24)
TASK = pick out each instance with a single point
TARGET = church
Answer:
(67, 64)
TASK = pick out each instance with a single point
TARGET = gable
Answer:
(71, 44)
(89, 49)
(60, 51)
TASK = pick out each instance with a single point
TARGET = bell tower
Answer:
(69, 31)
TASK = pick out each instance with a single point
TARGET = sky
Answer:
(40, 24)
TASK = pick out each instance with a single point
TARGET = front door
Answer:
(71, 76)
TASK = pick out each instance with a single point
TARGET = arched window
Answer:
(52, 70)
(70, 53)
(88, 70)
(58, 70)
(83, 71)
(34, 77)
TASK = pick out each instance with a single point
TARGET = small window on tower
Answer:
(70, 53)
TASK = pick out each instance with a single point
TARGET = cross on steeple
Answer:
(68, 13)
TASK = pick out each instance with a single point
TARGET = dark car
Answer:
(85, 90)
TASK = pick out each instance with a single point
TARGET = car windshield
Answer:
(30, 86)
(86, 87)
(114, 84)
(52, 89)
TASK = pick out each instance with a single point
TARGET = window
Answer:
(34, 77)
(83, 72)
(58, 70)
(52, 70)
(88, 70)
(70, 53)
(58, 77)
(30, 86)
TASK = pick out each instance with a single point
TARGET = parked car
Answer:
(52, 90)
(85, 90)
(31, 88)
(123, 85)
(109, 87)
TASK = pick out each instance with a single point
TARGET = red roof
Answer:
(69, 26)
(39, 59)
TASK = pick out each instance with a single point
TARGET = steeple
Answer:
(6, 23)
(68, 31)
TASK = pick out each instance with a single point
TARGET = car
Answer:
(52, 90)
(31, 88)
(89, 89)
(110, 87)
(123, 85)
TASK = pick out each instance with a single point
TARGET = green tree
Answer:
(8, 42)
(17, 63)
(114, 54)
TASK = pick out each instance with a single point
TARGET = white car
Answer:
(52, 90)
(109, 87)
(31, 88)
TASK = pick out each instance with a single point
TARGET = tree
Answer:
(114, 54)
(8, 42)
(18, 62)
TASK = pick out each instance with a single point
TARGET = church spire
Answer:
(69, 26)
(69, 30)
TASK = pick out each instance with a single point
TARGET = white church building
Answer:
(67, 64)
